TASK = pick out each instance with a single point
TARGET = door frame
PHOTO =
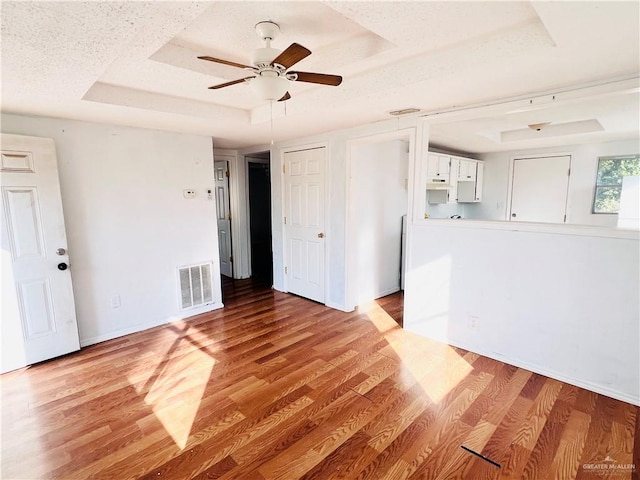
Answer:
(250, 158)
(228, 179)
(237, 217)
(350, 230)
(512, 160)
(327, 225)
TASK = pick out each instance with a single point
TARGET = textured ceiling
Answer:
(135, 63)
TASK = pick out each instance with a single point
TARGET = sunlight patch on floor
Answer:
(148, 362)
(381, 319)
(176, 394)
(435, 365)
(173, 379)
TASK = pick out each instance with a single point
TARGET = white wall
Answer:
(584, 164)
(379, 174)
(128, 225)
(564, 305)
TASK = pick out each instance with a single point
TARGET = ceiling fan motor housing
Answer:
(267, 31)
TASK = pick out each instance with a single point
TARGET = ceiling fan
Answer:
(271, 77)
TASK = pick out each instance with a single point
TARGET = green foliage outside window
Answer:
(611, 170)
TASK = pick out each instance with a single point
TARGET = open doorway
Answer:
(259, 203)
(379, 201)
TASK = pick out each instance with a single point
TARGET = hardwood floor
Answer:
(277, 387)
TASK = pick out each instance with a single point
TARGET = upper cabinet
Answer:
(467, 171)
(470, 191)
(438, 169)
(453, 179)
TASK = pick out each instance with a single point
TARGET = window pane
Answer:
(611, 170)
(607, 200)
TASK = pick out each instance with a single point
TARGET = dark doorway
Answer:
(260, 221)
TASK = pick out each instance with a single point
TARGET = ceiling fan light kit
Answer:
(271, 80)
(270, 86)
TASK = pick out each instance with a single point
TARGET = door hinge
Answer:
(285, 220)
(229, 217)
(286, 270)
(227, 173)
(231, 258)
(569, 173)
(565, 217)
(284, 170)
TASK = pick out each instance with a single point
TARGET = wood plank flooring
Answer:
(277, 387)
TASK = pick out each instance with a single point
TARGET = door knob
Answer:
(61, 251)
(62, 266)
(513, 215)
(321, 235)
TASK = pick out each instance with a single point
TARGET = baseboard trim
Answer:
(85, 342)
(389, 291)
(593, 387)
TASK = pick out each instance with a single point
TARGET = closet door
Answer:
(304, 222)
(539, 189)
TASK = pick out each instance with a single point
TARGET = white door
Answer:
(221, 170)
(304, 222)
(38, 310)
(539, 189)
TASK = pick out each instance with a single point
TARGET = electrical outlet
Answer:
(473, 322)
(115, 301)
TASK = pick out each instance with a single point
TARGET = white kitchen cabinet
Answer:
(471, 191)
(438, 169)
(452, 179)
(452, 193)
(447, 192)
(467, 171)
(443, 196)
(479, 180)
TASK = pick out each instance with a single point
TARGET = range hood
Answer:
(438, 185)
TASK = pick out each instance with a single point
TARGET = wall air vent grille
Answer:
(195, 285)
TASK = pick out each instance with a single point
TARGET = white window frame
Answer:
(618, 185)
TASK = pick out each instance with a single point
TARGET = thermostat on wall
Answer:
(189, 193)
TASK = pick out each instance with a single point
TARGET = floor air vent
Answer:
(195, 285)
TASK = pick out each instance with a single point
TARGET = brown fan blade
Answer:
(292, 55)
(225, 62)
(285, 97)
(321, 78)
(227, 84)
